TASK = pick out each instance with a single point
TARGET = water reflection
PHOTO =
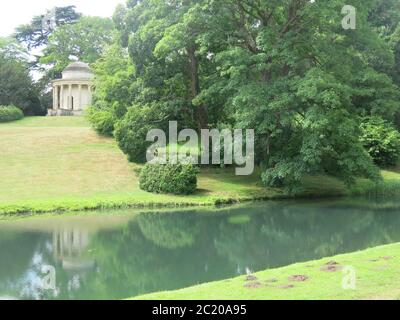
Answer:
(69, 246)
(122, 256)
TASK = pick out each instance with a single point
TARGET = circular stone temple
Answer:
(72, 94)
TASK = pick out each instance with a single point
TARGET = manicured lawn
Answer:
(60, 164)
(377, 272)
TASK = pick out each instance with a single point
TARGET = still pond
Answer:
(125, 254)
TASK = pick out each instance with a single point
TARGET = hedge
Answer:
(169, 178)
(10, 113)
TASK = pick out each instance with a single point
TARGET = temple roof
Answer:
(77, 71)
(78, 66)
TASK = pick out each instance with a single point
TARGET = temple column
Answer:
(54, 97)
(80, 98)
(70, 107)
(62, 97)
(57, 97)
(55, 88)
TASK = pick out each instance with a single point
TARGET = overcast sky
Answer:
(16, 12)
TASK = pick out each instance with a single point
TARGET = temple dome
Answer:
(77, 71)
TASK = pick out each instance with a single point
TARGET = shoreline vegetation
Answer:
(71, 169)
(374, 270)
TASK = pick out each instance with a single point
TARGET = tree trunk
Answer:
(201, 111)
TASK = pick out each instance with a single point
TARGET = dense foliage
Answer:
(34, 35)
(16, 85)
(102, 120)
(10, 113)
(84, 40)
(169, 178)
(114, 77)
(131, 131)
(285, 68)
(381, 140)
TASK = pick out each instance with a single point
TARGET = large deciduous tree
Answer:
(301, 81)
(16, 85)
(164, 43)
(84, 40)
(35, 34)
(286, 68)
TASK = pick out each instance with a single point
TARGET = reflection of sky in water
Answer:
(103, 259)
(30, 285)
(32, 282)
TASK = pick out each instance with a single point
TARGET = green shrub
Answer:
(381, 140)
(132, 130)
(102, 120)
(10, 113)
(169, 178)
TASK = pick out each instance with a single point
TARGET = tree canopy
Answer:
(287, 69)
(34, 35)
(84, 40)
(16, 85)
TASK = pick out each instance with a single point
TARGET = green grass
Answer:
(376, 272)
(60, 164)
(389, 187)
(50, 122)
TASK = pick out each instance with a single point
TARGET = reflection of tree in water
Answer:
(152, 254)
(283, 235)
(169, 231)
(16, 252)
(22, 257)
(163, 251)
(135, 262)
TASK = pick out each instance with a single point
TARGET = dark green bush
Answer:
(169, 178)
(10, 113)
(381, 140)
(132, 130)
(102, 120)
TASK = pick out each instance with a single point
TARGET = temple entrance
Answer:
(76, 82)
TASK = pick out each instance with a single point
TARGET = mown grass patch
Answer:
(375, 270)
(60, 164)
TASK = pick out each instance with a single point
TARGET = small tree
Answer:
(381, 140)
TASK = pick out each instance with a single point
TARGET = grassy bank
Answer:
(60, 164)
(375, 269)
